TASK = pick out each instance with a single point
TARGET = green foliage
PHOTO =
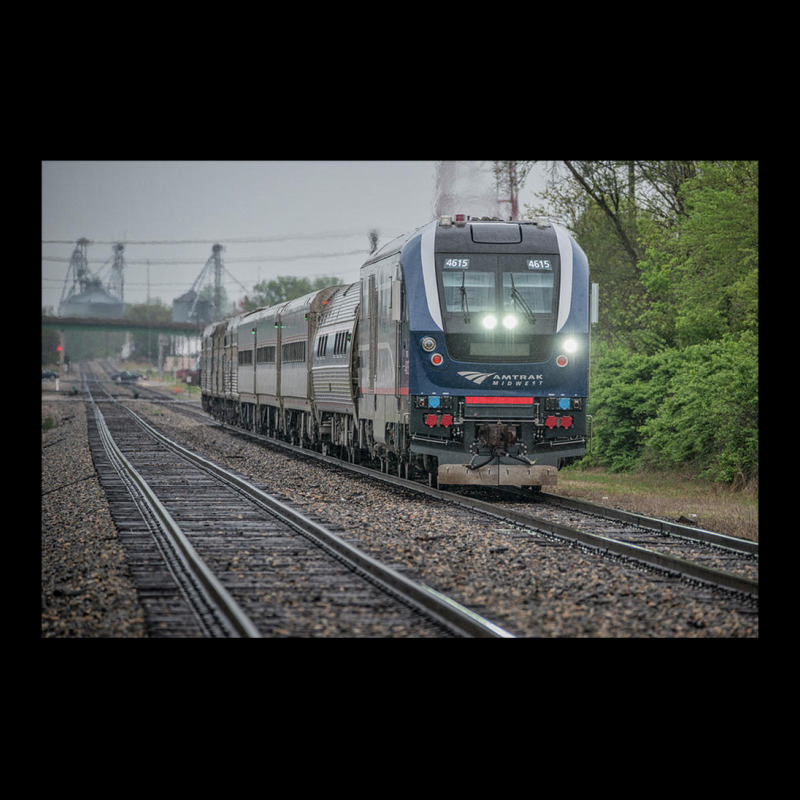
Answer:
(154, 312)
(145, 342)
(623, 296)
(50, 342)
(283, 288)
(675, 359)
(683, 407)
(626, 389)
(701, 274)
(709, 416)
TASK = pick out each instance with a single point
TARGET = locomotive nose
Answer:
(498, 437)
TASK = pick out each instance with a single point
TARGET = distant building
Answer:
(94, 301)
(191, 308)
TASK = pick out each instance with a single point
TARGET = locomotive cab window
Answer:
(498, 307)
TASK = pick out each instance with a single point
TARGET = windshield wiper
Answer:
(464, 301)
(517, 297)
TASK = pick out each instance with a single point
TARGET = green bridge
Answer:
(96, 324)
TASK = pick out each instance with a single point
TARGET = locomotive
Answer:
(461, 353)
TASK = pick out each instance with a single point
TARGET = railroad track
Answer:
(731, 561)
(695, 554)
(216, 556)
(514, 540)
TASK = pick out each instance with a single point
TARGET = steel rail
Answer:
(596, 541)
(453, 615)
(238, 623)
(652, 523)
(652, 558)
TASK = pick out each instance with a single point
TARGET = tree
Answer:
(701, 274)
(611, 185)
(629, 217)
(674, 246)
(287, 287)
(145, 342)
(592, 199)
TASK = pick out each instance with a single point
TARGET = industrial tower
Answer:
(190, 307)
(84, 294)
(474, 188)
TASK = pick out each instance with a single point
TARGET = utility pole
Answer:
(217, 249)
(116, 281)
(510, 175)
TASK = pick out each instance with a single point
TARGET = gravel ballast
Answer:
(87, 591)
(548, 591)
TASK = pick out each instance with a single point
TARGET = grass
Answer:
(668, 496)
(187, 391)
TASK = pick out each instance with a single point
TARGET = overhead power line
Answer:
(247, 240)
(228, 260)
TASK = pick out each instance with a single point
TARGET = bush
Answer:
(694, 406)
(709, 417)
(626, 391)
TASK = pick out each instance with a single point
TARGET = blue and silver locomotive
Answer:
(461, 353)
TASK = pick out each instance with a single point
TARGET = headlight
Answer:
(509, 321)
(489, 321)
(570, 345)
(428, 344)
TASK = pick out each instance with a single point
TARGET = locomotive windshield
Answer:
(498, 307)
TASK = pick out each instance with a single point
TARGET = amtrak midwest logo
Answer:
(502, 380)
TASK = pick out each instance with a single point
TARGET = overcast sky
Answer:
(264, 213)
